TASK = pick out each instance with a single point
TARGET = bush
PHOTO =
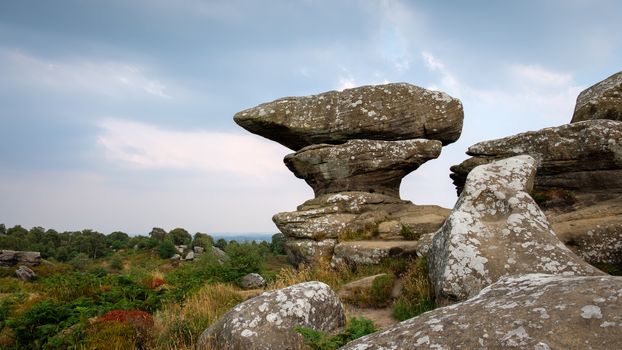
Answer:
(80, 261)
(166, 249)
(381, 289)
(116, 263)
(417, 294)
(317, 340)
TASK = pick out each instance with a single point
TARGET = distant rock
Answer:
(14, 257)
(360, 253)
(198, 250)
(361, 165)
(25, 274)
(267, 321)
(496, 229)
(383, 112)
(252, 281)
(220, 255)
(534, 311)
(600, 101)
(190, 256)
(176, 257)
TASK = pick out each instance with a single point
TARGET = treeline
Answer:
(68, 245)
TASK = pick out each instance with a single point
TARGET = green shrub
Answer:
(318, 340)
(80, 261)
(116, 263)
(381, 288)
(417, 294)
(409, 234)
(166, 249)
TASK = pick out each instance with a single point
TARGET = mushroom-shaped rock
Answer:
(397, 111)
(496, 229)
(361, 165)
(600, 101)
(533, 311)
(268, 320)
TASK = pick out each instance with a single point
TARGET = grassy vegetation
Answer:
(417, 294)
(356, 328)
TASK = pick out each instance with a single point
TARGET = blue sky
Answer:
(117, 115)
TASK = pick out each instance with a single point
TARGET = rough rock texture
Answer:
(336, 215)
(361, 165)
(309, 251)
(358, 253)
(584, 156)
(600, 101)
(13, 257)
(383, 112)
(252, 281)
(190, 256)
(594, 231)
(268, 320)
(529, 312)
(198, 250)
(25, 274)
(496, 229)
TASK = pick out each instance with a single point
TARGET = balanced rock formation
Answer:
(533, 311)
(579, 178)
(14, 257)
(353, 148)
(267, 322)
(361, 165)
(600, 101)
(496, 229)
(382, 112)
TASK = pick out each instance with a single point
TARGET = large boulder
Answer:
(383, 112)
(309, 251)
(581, 157)
(496, 229)
(360, 253)
(268, 320)
(529, 312)
(361, 165)
(14, 257)
(600, 101)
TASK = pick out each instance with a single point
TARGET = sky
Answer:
(117, 114)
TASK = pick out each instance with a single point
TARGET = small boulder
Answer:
(220, 255)
(600, 101)
(190, 256)
(176, 257)
(534, 311)
(198, 250)
(252, 281)
(496, 229)
(25, 274)
(267, 321)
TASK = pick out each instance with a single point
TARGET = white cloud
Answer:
(536, 75)
(145, 146)
(100, 77)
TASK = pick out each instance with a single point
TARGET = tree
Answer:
(180, 236)
(158, 234)
(118, 240)
(2, 230)
(221, 243)
(277, 245)
(202, 240)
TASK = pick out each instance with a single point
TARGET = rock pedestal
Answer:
(353, 148)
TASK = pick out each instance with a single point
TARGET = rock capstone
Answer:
(534, 311)
(382, 112)
(268, 320)
(496, 229)
(600, 101)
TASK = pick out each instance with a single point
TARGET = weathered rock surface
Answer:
(529, 312)
(336, 215)
(600, 101)
(14, 257)
(358, 253)
(584, 156)
(383, 112)
(25, 274)
(496, 229)
(594, 231)
(190, 256)
(361, 165)
(309, 251)
(268, 320)
(198, 250)
(220, 255)
(252, 281)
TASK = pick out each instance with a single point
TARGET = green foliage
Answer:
(158, 234)
(202, 240)
(221, 243)
(180, 236)
(408, 233)
(317, 340)
(80, 261)
(2, 229)
(166, 249)
(277, 244)
(118, 240)
(116, 263)
(381, 288)
(417, 294)
(243, 259)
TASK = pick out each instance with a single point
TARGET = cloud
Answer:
(144, 146)
(112, 79)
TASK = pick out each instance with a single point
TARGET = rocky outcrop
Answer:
(252, 281)
(268, 320)
(529, 312)
(360, 253)
(25, 274)
(600, 101)
(14, 257)
(382, 112)
(496, 229)
(353, 148)
(361, 165)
